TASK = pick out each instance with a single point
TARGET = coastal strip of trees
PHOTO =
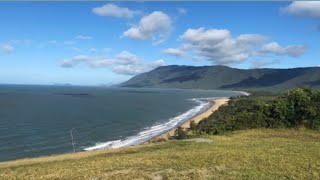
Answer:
(296, 108)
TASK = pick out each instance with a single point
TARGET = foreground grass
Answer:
(251, 154)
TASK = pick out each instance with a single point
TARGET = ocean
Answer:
(38, 120)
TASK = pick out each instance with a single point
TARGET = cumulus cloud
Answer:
(114, 11)
(52, 42)
(93, 50)
(303, 9)
(182, 11)
(291, 50)
(219, 47)
(106, 50)
(68, 43)
(263, 63)
(6, 48)
(211, 36)
(173, 52)
(155, 26)
(83, 37)
(124, 63)
(23, 42)
(90, 50)
(134, 69)
(68, 63)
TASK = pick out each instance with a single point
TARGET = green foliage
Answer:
(180, 133)
(193, 126)
(298, 107)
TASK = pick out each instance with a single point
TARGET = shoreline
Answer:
(216, 103)
(166, 130)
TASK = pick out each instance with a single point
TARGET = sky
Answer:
(102, 43)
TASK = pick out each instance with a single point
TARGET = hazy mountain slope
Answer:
(222, 77)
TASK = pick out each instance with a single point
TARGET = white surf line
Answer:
(158, 129)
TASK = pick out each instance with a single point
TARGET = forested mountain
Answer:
(223, 77)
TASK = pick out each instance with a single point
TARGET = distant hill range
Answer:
(222, 77)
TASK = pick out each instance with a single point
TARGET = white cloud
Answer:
(93, 61)
(303, 9)
(83, 37)
(106, 50)
(93, 50)
(68, 43)
(219, 47)
(173, 52)
(52, 42)
(47, 43)
(182, 11)
(115, 11)
(263, 63)
(76, 49)
(123, 63)
(134, 69)
(156, 26)
(211, 36)
(90, 50)
(291, 50)
(68, 63)
(251, 38)
(6, 48)
(199, 58)
(23, 42)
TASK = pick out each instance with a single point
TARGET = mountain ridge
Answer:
(224, 77)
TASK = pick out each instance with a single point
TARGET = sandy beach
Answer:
(215, 105)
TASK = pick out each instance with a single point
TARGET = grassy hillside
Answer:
(222, 77)
(250, 154)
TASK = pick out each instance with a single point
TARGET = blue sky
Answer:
(94, 43)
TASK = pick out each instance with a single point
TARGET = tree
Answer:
(180, 133)
(193, 126)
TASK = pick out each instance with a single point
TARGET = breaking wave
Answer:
(156, 130)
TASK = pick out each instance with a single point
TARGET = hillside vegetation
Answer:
(250, 154)
(296, 108)
(222, 77)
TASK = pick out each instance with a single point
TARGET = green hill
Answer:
(222, 77)
(250, 154)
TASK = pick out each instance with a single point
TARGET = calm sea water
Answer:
(36, 120)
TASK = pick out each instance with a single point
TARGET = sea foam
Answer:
(156, 130)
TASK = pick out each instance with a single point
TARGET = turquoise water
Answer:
(36, 120)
